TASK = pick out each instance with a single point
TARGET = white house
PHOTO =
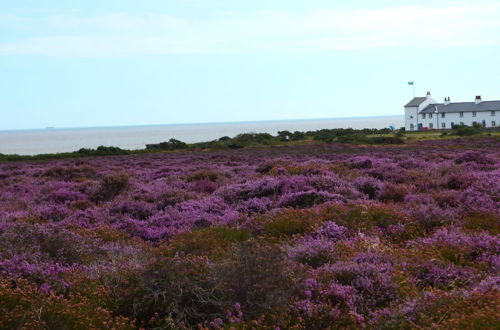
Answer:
(424, 113)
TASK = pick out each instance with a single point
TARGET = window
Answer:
(430, 125)
(430, 115)
(423, 116)
(493, 113)
(412, 127)
(461, 114)
(443, 125)
(442, 114)
(493, 124)
(473, 114)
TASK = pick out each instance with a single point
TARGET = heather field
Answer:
(310, 236)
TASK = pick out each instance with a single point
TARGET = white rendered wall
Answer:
(411, 114)
(455, 118)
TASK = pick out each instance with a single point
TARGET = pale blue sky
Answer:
(124, 62)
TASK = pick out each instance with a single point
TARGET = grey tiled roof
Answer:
(463, 107)
(416, 102)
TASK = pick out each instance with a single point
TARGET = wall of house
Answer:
(468, 119)
(411, 114)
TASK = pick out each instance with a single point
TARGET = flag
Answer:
(410, 83)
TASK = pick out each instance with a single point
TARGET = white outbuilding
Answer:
(423, 113)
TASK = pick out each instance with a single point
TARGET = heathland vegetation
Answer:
(295, 231)
(341, 135)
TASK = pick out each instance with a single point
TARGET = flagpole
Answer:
(412, 84)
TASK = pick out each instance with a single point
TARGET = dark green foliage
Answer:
(103, 151)
(462, 130)
(172, 144)
(253, 138)
(297, 136)
(284, 135)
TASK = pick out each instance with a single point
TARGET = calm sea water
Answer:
(32, 142)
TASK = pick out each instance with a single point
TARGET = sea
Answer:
(54, 140)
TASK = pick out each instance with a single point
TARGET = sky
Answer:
(127, 62)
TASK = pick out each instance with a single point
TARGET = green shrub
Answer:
(253, 138)
(462, 130)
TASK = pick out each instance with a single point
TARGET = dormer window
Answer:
(430, 115)
(442, 114)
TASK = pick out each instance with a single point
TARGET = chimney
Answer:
(447, 100)
(428, 95)
(478, 99)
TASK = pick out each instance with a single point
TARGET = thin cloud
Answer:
(121, 34)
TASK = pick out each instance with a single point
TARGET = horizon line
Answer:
(49, 128)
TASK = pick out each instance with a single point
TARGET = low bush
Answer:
(290, 222)
(23, 306)
(111, 185)
(211, 242)
(171, 291)
(171, 144)
(461, 130)
(447, 311)
(257, 276)
(202, 174)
